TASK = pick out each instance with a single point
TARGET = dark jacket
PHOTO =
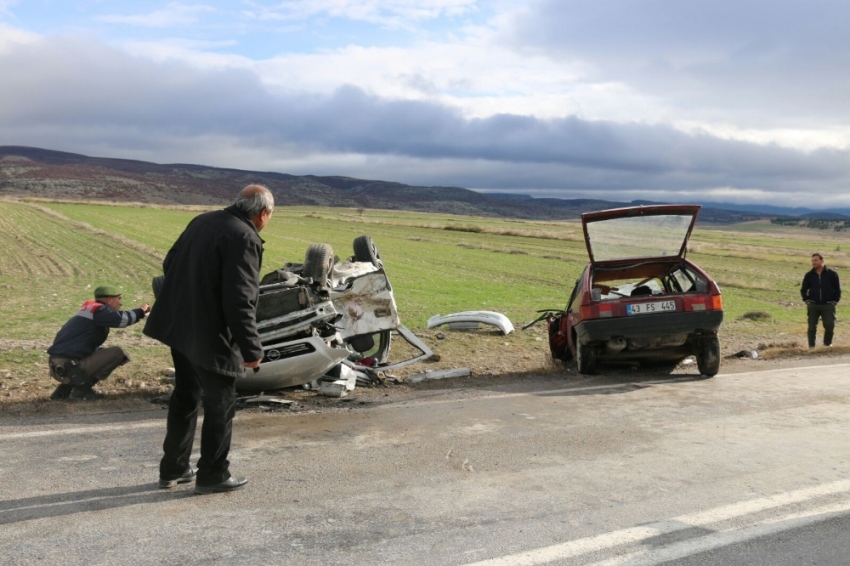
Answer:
(821, 289)
(88, 329)
(206, 308)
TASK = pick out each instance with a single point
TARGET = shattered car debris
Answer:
(319, 314)
(471, 320)
(639, 298)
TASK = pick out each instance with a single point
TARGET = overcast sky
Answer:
(670, 100)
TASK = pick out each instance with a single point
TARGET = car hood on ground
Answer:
(638, 232)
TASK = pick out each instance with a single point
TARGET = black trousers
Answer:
(827, 314)
(192, 386)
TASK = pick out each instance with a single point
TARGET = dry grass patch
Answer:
(792, 351)
(198, 208)
(460, 228)
(469, 246)
(539, 234)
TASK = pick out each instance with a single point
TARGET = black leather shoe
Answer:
(185, 478)
(227, 485)
(62, 391)
(85, 392)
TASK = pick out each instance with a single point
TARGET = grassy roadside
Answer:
(53, 254)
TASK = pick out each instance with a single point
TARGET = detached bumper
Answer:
(649, 325)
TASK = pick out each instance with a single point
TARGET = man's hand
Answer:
(146, 308)
(252, 365)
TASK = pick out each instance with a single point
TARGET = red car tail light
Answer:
(712, 303)
(597, 311)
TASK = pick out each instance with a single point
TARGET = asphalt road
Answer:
(748, 468)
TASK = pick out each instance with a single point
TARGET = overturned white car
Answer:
(322, 313)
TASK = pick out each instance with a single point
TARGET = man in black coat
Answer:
(821, 291)
(206, 312)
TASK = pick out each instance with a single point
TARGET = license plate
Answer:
(649, 308)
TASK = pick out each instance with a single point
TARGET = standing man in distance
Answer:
(821, 291)
(206, 313)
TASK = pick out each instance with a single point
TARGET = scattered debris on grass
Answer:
(341, 385)
(745, 354)
(442, 374)
(265, 400)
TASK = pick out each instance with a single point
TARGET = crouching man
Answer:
(77, 360)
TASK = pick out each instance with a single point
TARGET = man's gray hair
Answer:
(253, 199)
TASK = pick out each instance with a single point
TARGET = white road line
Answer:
(675, 551)
(85, 430)
(734, 510)
(637, 534)
(574, 547)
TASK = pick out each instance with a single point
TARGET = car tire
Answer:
(708, 355)
(157, 284)
(318, 263)
(365, 250)
(586, 359)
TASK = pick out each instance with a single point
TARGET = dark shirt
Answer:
(821, 289)
(88, 329)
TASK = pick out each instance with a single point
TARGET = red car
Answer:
(639, 298)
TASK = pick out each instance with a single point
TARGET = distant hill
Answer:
(770, 210)
(830, 216)
(816, 220)
(34, 172)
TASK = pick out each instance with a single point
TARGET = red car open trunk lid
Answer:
(638, 232)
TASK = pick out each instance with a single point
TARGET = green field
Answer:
(53, 254)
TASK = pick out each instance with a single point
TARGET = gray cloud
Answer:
(78, 95)
(767, 63)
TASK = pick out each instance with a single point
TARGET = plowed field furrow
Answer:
(50, 265)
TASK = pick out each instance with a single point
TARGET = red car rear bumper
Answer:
(649, 325)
